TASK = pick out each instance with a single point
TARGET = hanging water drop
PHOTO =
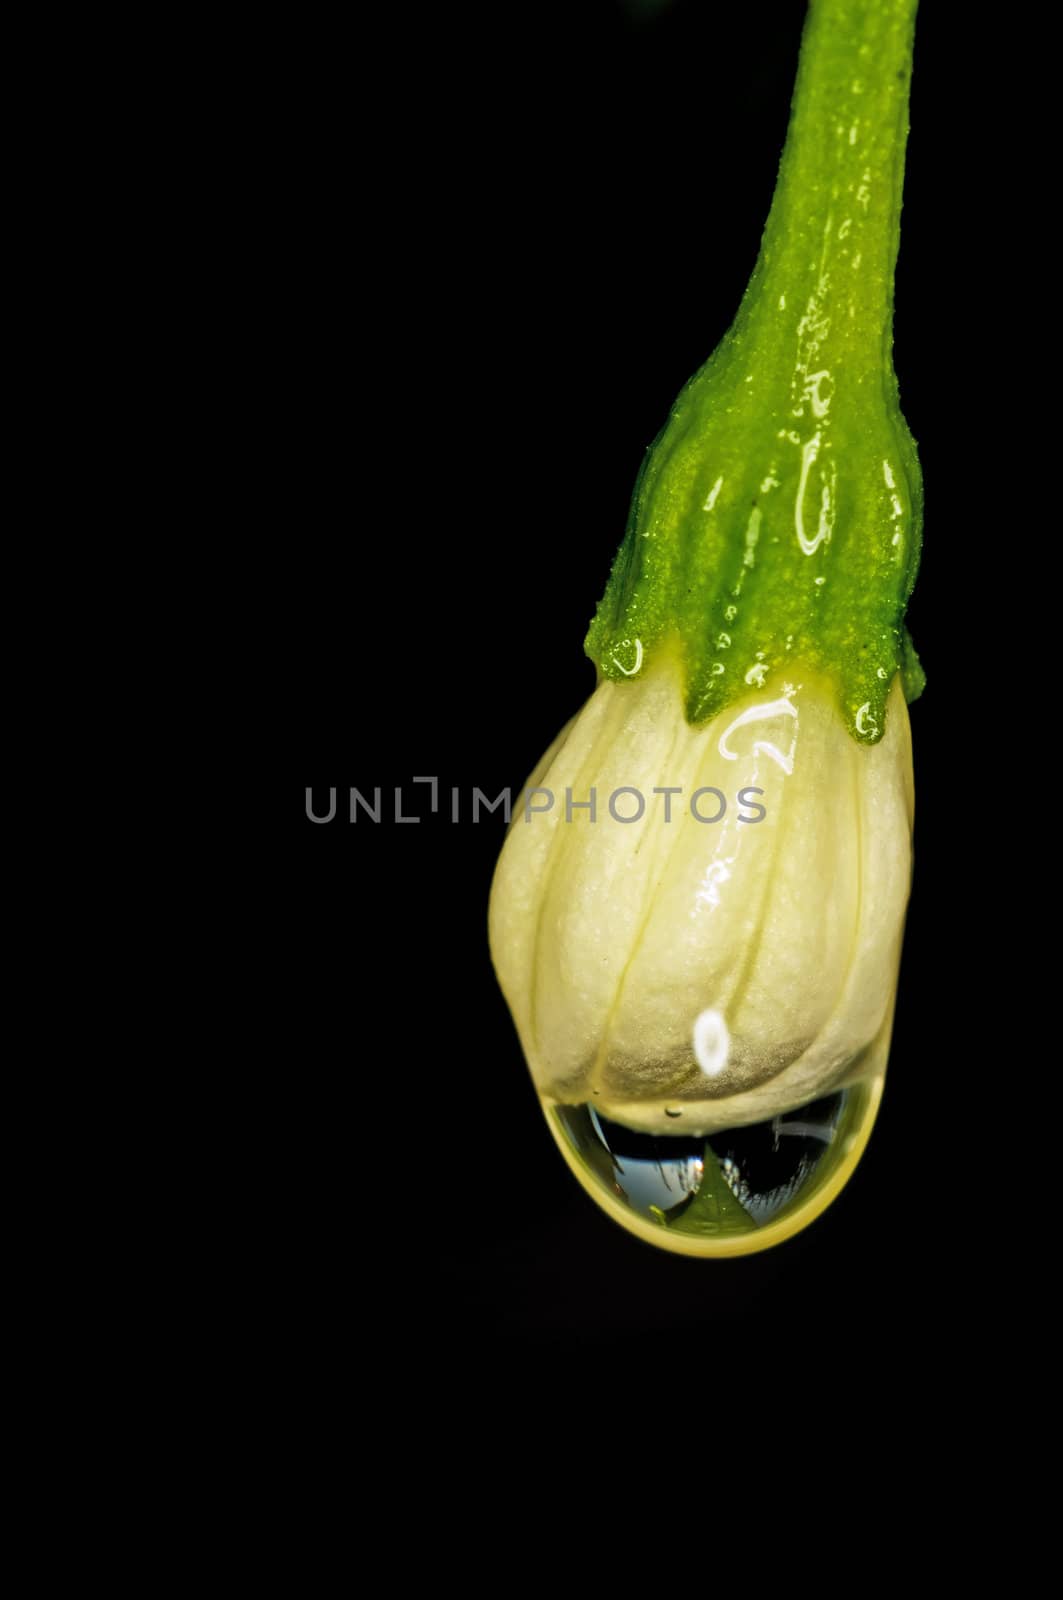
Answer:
(729, 1193)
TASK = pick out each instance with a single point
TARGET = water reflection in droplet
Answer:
(730, 1192)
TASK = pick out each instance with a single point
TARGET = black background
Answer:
(497, 243)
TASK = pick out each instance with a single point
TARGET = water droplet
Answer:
(712, 1041)
(726, 1193)
(628, 644)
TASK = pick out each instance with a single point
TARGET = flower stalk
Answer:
(778, 516)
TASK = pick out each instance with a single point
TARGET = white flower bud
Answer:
(726, 970)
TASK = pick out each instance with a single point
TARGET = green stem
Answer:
(844, 160)
(777, 518)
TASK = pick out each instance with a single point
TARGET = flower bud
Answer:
(702, 928)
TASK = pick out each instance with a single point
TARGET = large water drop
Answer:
(724, 1194)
